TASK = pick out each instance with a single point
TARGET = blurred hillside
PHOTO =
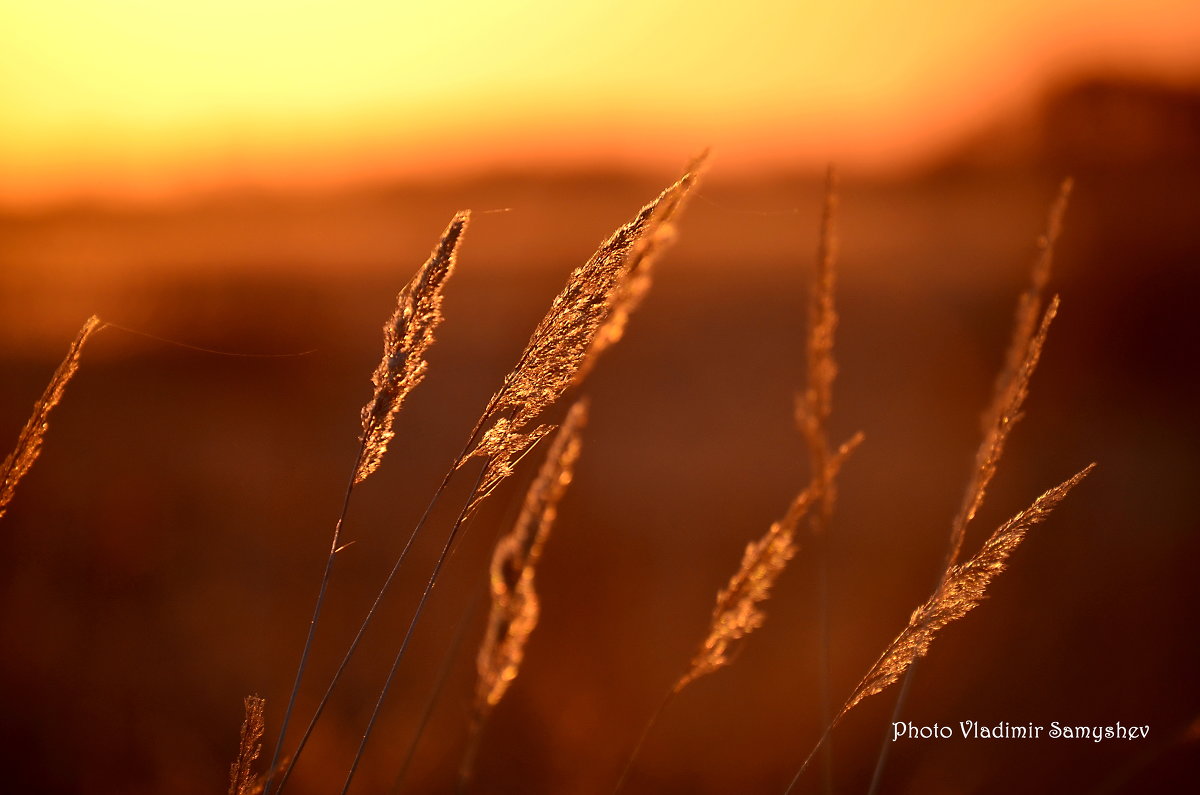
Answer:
(1107, 124)
(1133, 148)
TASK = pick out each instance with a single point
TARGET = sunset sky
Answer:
(141, 98)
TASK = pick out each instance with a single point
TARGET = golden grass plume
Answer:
(960, 591)
(515, 608)
(815, 403)
(514, 611)
(1005, 412)
(242, 780)
(407, 335)
(29, 443)
(1029, 305)
(738, 611)
(1012, 382)
(585, 318)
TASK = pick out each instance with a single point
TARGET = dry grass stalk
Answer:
(1012, 383)
(407, 336)
(29, 443)
(1010, 397)
(587, 317)
(658, 235)
(815, 404)
(738, 611)
(961, 590)
(1029, 305)
(514, 611)
(241, 772)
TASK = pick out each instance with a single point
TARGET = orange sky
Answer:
(129, 98)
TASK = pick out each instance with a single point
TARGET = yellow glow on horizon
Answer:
(129, 96)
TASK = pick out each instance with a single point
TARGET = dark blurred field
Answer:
(163, 554)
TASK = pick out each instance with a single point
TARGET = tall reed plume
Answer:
(962, 590)
(29, 443)
(407, 336)
(515, 608)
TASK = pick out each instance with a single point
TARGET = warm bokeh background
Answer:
(264, 178)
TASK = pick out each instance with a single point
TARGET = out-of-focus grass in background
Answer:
(162, 556)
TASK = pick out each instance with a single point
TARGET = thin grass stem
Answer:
(412, 625)
(474, 738)
(312, 626)
(510, 516)
(460, 633)
(825, 674)
(820, 744)
(637, 748)
(886, 746)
